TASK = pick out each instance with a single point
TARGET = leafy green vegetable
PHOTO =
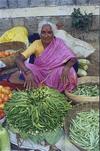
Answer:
(81, 21)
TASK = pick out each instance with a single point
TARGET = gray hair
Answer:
(42, 23)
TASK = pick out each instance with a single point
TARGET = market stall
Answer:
(41, 119)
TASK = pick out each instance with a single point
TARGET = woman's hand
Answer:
(68, 65)
(29, 80)
(64, 76)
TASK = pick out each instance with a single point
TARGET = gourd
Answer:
(82, 72)
(4, 140)
(83, 67)
(84, 61)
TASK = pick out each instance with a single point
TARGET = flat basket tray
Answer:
(15, 45)
(81, 98)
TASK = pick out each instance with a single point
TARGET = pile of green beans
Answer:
(87, 90)
(84, 130)
(36, 111)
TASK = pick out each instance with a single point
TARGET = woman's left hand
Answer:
(68, 65)
(64, 76)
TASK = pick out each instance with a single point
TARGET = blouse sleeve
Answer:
(30, 50)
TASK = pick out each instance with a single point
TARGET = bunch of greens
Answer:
(81, 21)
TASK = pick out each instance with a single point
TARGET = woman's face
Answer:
(46, 34)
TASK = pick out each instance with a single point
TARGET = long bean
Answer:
(39, 110)
(87, 90)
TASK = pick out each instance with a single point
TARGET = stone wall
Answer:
(31, 23)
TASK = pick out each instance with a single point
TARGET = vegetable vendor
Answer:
(53, 65)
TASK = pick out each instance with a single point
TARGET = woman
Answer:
(53, 65)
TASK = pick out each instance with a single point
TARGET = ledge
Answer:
(46, 11)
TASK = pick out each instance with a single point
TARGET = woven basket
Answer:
(14, 46)
(9, 61)
(83, 107)
(80, 98)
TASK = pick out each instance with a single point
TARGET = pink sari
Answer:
(47, 68)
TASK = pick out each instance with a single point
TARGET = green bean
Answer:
(84, 130)
(87, 90)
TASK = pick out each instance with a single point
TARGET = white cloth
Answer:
(81, 48)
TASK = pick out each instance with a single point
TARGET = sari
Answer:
(48, 67)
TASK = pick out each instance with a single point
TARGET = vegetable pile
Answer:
(36, 111)
(84, 130)
(5, 95)
(83, 67)
(87, 90)
(4, 54)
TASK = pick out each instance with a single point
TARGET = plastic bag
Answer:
(18, 33)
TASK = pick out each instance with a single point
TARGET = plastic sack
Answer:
(18, 33)
(81, 48)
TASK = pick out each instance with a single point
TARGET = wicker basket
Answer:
(15, 46)
(83, 107)
(80, 98)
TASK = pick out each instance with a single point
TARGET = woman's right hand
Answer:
(29, 80)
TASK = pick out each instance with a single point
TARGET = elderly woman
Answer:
(53, 65)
